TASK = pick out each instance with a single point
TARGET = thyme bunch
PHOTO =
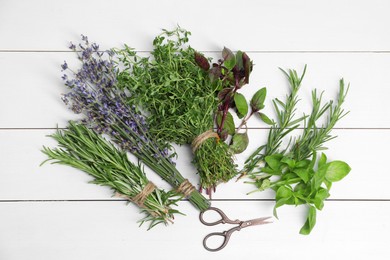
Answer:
(295, 173)
(83, 149)
(93, 92)
(180, 99)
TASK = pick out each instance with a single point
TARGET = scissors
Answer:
(225, 220)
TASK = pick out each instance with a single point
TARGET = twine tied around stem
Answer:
(197, 142)
(186, 188)
(140, 198)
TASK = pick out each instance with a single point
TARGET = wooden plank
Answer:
(99, 230)
(32, 86)
(24, 179)
(255, 25)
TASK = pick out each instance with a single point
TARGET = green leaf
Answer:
(328, 184)
(310, 222)
(279, 203)
(319, 176)
(322, 160)
(273, 161)
(257, 101)
(283, 192)
(240, 142)
(302, 164)
(303, 174)
(302, 190)
(284, 196)
(266, 119)
(290, 162)
(264, 185)
(321, 195)
(228, 123)
(229, 58)
(337, 170)
(241, 105)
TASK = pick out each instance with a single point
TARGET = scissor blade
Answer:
(256, 221)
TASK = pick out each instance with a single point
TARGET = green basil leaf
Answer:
(303, 174)
(279, 203)
(322, 160)
(273, 161)
(239, 142)
(257, 101)
(337, 170)
(265, 119)
(319, 176)
(241, 105)
(283, 192)
(302, 164)
(289, 162)
(264, 185)
(310, 222)
(321, 195)
(328, 184)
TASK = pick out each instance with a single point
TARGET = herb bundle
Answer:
(180, 99)
(83, 149)
(295, 173)
(93, 93)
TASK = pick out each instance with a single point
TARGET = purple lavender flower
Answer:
(64, 66)
(72, 46)
(93, 92)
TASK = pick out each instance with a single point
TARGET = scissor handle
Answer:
(224, 243)
(224, 219)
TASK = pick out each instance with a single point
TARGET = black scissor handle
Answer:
(224, 243)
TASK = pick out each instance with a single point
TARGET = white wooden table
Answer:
(51, 212)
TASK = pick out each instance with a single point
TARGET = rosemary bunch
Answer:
(93, 92)
(83, 149)
(180, 99)
(294, 172)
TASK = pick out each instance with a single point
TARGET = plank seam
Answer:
(231, 200)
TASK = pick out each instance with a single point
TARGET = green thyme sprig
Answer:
(294, 172)
(83, 149)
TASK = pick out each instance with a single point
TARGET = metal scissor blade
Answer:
(256, 221)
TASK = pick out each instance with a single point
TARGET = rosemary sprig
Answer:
(295, 173)
(83, 149)
(285, 123)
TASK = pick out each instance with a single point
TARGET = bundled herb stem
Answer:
(83, 149)
(93, 92)
(294, 172)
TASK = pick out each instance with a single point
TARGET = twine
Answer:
(140, 198)
(186, 188)
(203, 137)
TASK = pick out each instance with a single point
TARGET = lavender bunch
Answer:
(93, 93)
(83, 149)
